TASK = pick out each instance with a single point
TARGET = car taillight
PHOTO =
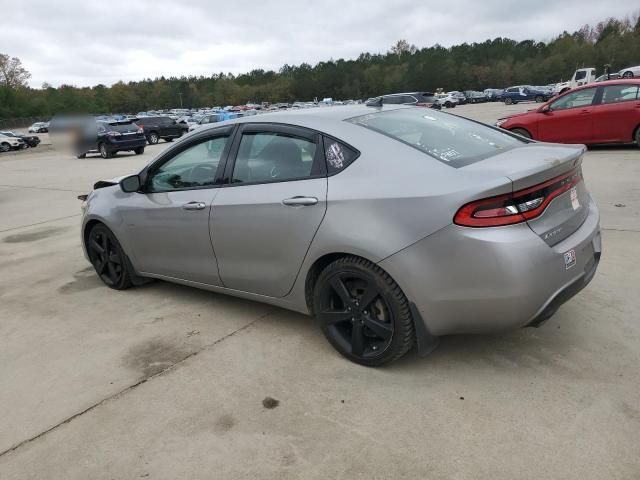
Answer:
(140, 130)
(518, 206)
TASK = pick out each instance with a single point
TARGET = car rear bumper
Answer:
(485, 280)
(128, 144)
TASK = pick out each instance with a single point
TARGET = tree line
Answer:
(496, 63)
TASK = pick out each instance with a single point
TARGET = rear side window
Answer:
(619, 93)
(450, 139)
(338, 155)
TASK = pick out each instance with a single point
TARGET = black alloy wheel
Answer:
(363, 312)
(108, 258)
(539, 99)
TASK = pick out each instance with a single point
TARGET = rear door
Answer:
(617, 114)
(569, 118)
(265, 218)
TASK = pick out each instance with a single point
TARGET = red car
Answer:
(604, 112)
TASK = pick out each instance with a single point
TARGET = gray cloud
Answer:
(86, 43)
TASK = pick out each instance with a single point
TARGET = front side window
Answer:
(450, 139)
(581, 75)
(194, 167)
(273, 157)
(579, 98)
(619, 93)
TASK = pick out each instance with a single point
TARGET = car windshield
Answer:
(448, 138)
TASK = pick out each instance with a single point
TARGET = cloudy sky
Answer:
(85, 42)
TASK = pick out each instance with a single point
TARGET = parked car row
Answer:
(14, 141)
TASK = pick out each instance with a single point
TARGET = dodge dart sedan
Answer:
(391, 225)
(607, 112)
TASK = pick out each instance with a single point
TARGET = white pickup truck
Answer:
(582, 76)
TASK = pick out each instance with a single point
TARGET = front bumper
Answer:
(484, 280)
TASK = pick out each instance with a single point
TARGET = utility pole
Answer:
(180, 95)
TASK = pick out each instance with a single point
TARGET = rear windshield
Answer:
(450, 139)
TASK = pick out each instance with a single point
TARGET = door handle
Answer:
(300, 201)
(194, 206)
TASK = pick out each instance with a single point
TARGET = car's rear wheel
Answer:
(108, 258)
(521, 131)
(539, 99)
(139, 151)
(153, 138)
(104, 151)
(508, 101)
(627, 75)
(168, 139)
(363, 312)
(447, 104)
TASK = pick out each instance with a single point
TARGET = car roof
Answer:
(313, 118)
(615, 81)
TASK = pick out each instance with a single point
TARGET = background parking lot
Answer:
(164, 381)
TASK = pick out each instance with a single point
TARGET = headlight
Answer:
(500, 121)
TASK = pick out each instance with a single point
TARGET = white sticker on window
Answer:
(335, 155)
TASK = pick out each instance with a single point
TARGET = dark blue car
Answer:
(524, 93)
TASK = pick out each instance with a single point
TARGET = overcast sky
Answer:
(85, 42)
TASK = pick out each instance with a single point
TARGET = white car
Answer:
(447, 100)
(11, 143)
(39, 127)
(630, 72)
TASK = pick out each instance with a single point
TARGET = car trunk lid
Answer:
(545, 178)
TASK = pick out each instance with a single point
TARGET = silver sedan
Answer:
(391, 225)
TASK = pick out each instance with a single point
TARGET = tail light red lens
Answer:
(518, 206)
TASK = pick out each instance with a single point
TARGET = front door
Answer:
(569, 118)
(167, 226)
(263, 221)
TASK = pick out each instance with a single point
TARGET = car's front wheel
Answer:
(5, 147)
(139, 151)
(168, 139)
(108, 258)
(539, 99)
(627, 75)
(522, 132)
(508, 101)
(363, 312)
(153, 138)
(104, 151)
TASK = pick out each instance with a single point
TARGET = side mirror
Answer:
(545, 109)
(130, 184)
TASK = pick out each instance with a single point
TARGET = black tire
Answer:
(104, 151)
(627, 75)
(108, 258)
(637, 136)
(362, 312)
(522, 132)
(153, 138)
(539, 99)
(139, 150)
(82, 155)
(168, 139)
(447, 104)
(508, 101)
(4, 147)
